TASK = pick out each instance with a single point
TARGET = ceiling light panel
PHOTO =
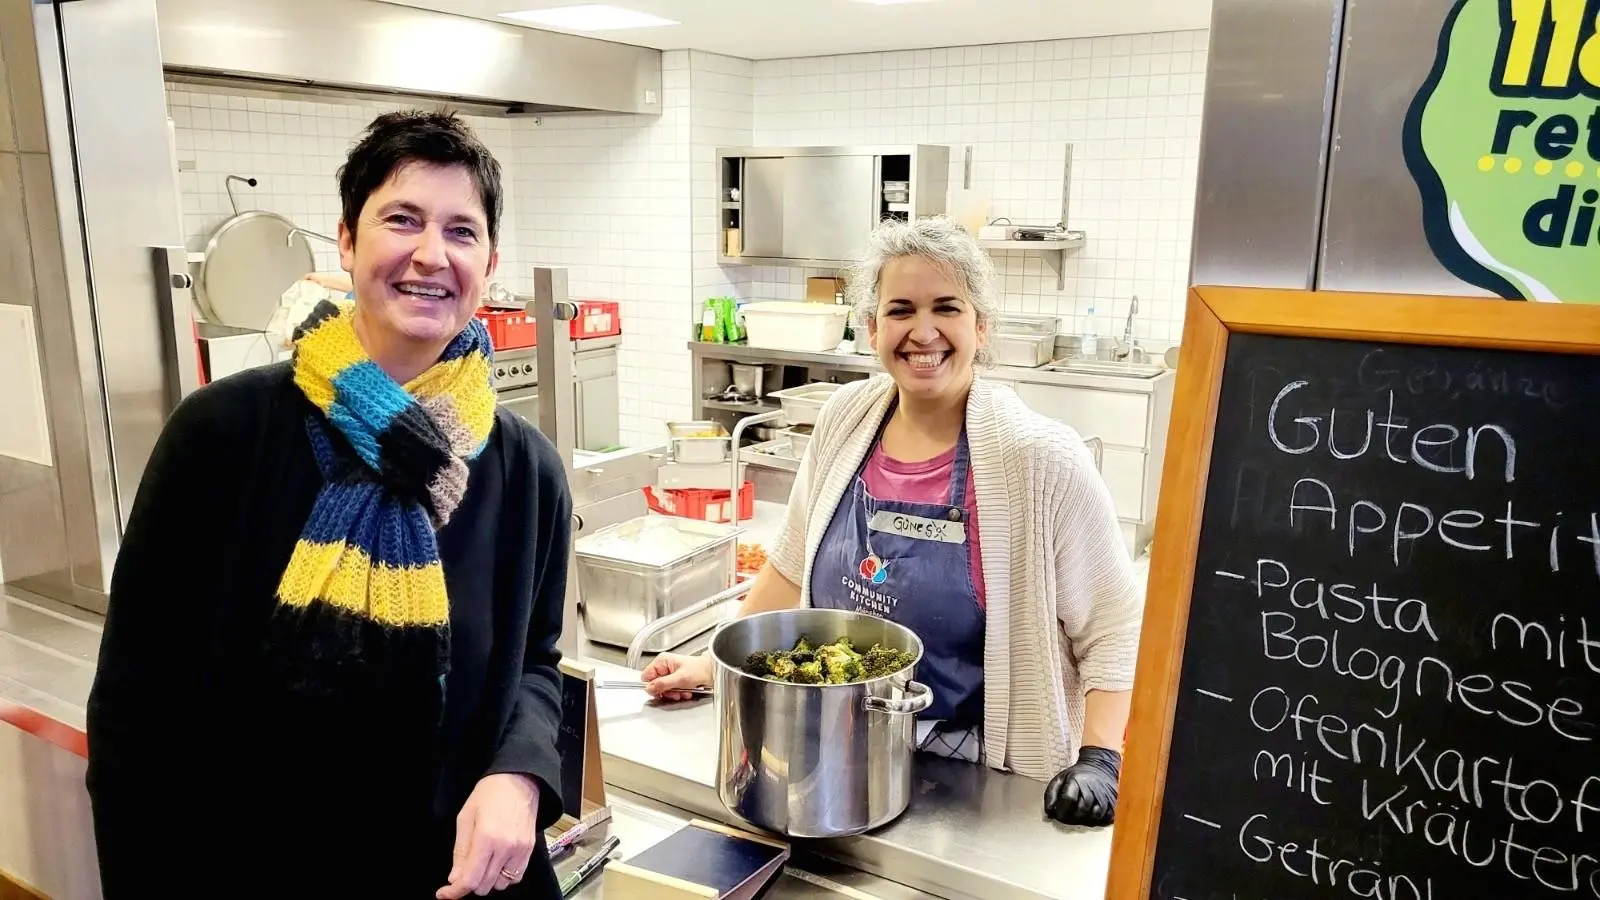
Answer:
(589, 17)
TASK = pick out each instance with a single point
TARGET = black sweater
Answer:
(203, 780)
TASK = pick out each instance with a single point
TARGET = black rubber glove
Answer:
(1086, 792)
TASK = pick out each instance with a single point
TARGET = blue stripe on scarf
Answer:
(359, 514)
(367, 401)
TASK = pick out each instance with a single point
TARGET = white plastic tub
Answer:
(794, 325)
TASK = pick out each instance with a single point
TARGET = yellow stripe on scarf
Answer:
(475, 409)
(344, 577)
(326, 350)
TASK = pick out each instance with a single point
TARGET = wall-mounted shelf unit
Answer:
(815, 206)
(1055, 252)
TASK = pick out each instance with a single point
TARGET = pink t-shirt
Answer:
(927, 482)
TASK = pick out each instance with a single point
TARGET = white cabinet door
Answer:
(1123, 471)
(1116, 418)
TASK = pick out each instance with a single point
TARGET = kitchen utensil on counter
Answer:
(1171, 357)
(862, 335)
(639, 685)
(746, 381)
(814, 761)
(250, 260)
(648, 568)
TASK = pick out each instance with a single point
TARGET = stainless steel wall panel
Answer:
(24, 88)
(1269, 95)
(126, 185)
(16, 267)
(1373, 238)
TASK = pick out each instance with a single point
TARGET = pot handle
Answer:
(919, 697)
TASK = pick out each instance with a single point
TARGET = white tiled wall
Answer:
(609, 197)
(293, 148)
(628, 203)
(722, 115)
(1129, 105)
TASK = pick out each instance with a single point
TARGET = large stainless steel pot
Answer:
(814, 761)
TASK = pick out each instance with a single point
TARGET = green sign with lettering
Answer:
(1503, 141)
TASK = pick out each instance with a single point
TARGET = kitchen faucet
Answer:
(1128, 348)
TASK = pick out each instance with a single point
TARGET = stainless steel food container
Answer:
(1021, 323)
(814, 761)
(748, 379)
(801, 405)
(620, 595)
(686, 448)
(799, 439)
(1025, 350)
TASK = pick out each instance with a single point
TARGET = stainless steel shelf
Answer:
(1054, 251)
(1072, 243)
(783, 261)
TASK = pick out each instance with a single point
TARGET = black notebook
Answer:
(699, 860)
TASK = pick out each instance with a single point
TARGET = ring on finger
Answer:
(510, 875)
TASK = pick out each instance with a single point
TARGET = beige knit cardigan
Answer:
(1064, 607)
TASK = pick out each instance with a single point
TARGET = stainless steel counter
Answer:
(970, 832)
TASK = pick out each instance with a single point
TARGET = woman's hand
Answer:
(671, 677)
(495, 836)
(1086, 792)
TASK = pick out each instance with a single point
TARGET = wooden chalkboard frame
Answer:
(578, 679)
(1213, 314)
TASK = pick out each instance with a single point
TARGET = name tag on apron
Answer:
(918, 528)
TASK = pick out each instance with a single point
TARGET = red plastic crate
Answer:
(509, 329)
(597, 318)
(701, 503)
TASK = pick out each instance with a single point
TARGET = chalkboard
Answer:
(578, 744)
(1372, 666)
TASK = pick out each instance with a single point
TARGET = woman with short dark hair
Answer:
(329, 658)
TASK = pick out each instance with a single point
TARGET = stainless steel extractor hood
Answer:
(369, 47)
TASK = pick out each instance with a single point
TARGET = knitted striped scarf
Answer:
(362, 609)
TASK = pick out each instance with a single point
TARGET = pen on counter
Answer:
(564, 844)
(589, 867)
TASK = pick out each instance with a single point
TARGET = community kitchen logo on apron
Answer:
(1504, 142)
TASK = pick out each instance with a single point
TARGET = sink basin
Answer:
(1106, 367)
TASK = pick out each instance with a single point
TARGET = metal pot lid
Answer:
(250, 261)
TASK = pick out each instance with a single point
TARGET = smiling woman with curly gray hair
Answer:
(948, 247)
(933, 497)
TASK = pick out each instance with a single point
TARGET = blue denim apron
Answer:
(923, 584)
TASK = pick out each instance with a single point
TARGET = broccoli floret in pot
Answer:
(881, 661)
(838, 662)
(783, 666)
